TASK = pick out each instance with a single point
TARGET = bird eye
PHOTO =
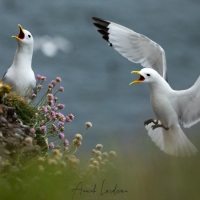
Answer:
(29, 36)
(148, 74)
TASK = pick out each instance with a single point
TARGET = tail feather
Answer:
(173, 141)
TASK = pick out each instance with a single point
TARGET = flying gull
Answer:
(171, 107)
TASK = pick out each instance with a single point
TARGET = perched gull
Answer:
(134, 46)
(171, 107)
(20, 75)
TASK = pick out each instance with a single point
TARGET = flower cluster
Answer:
(100, 159)
(77, 140)
(57, 158)
(48, 123)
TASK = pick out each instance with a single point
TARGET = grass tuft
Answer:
(24, 110)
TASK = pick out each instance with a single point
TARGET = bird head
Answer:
(24, 36)
(147, 75)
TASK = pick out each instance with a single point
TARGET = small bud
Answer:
(98, 153)
(78, 137)
(60, 123)
(55, 99)
(62, 128)
(43, 78)
(61, 136)
(39, 87)
(61, 89)
(57, 153)
(105, 155)
(95, 163)
(67, 119)
(99, 147)
(32, 130)
(53, 82)
(58, 79)
(60, 106)
(88, 125)
(33, 96)
(60, 117)
(50, 97)
(94, 151)
(50, 86)
(76, 142)
(113, 154)
(43, 128)
(44, 109)
(51, 145)
(71, 116)
(38, 76)
(28, 141)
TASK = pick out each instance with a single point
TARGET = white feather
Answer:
(20, 75)
(173, 141)
(170, 107)
(134, 46)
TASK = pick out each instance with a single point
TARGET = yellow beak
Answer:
(141, 79)
(21, 33)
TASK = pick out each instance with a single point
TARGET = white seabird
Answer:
(20, 75)
(134, 46)
(171, 107)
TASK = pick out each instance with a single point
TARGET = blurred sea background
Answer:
(96, 80)
(95, 77)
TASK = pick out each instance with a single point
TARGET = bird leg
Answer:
(160, 126)
(156, 125)
(151, 121)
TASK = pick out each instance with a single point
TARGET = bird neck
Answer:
(160, 85)
(23, 57)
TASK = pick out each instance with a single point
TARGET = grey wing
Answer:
(8, 81)
(188, 105)
(134, 46)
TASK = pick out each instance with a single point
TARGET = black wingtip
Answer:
(102, 26)
(101, 21)
(96, 18)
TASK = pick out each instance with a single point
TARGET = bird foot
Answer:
(150, 121)
(159, 126)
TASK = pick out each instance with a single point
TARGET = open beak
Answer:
(21, 33)
(141, 78)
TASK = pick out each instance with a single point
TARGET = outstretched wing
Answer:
(188, 105)
(134, 46)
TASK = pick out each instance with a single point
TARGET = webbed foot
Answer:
(151, 121)
(160, 126)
